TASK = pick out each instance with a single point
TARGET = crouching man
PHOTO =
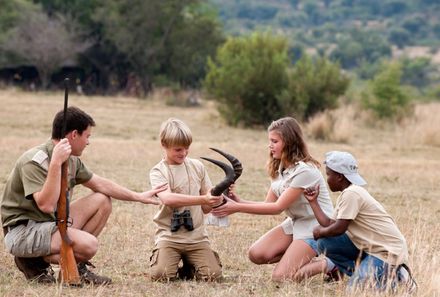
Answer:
(31, 194)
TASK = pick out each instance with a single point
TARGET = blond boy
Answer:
(180, 229)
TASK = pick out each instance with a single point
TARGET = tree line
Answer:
(106, 46)
(109, 45)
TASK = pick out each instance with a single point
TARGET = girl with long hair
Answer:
(292, 169)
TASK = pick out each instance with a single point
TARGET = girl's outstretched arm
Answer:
(271, 206)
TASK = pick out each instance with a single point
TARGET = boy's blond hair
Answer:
(174, 132)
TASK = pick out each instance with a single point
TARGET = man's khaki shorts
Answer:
(31, 239)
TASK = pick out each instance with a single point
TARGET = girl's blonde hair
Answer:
(295, 148)
(174, 132)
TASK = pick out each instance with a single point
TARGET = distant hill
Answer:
(401, 23)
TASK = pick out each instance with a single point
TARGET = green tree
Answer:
(254, 82)
(399, 37)
(314, 85)
(394, 7)
(417, 72)
(103, 63)
(9, 19)
(145, 32)
(44, 42)
(360, 46)
(247, 75)
(294, 3)
(349, 53)
(436, 30)
(9, 14)
(191, 44)
(415, 24)
(257, 12)
(81, 10)
(385, 96)
(314, 13)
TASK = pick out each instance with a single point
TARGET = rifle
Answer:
(69, 269)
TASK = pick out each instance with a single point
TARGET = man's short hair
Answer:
(174, 132)
(76, 120)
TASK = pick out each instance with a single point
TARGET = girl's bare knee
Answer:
(256, 257)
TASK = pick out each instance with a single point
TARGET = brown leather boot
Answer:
(89, 277)
(35, 269)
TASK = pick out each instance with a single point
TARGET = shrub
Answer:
(254, 82)
(434, 92)
(384, 95)
(247, 76)
(336, 125)
(313, 87)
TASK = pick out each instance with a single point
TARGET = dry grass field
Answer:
(401, 166)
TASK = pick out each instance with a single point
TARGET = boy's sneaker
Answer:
(333, 276)
(35, 269)
(89, 277)
(406, 279)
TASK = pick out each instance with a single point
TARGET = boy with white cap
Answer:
(361, 238)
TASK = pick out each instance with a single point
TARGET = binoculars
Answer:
(181, 219)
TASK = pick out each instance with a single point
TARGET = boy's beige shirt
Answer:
(372, 229)
(190, 178)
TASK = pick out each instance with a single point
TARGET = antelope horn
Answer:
(232, 173)
(236, 164)
(227, 181)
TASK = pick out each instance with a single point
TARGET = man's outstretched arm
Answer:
(107, 187)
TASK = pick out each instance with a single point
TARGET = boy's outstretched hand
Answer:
(312, 193)
(213, 201)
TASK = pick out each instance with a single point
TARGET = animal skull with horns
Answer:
(231, 173)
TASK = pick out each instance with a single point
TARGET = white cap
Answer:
(344, 163)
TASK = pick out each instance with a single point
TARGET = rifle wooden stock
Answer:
(69, 269)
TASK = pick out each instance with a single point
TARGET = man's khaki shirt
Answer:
(28, 177)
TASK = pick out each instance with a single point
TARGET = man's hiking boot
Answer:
(88, 277)
(35, 269)
(333, 276)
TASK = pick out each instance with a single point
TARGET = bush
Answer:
(252, 79)
(337, 125)
(313, 87)
(434, 92)
(247, 76)
(384, 95)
